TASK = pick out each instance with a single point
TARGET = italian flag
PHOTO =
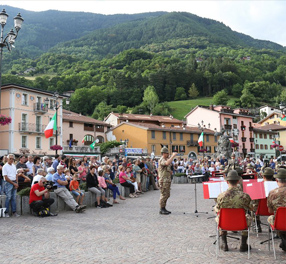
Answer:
(201, 139)
(283, 118)
(84, 139)
(231, 140)
(49, 131)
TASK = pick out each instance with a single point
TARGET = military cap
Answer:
(221, 167)
(249, 166)
(281, 174)
(268, 172)
(247, 156)
(164, 150)
(232, 176)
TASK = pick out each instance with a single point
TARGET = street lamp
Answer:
(57, 106)
(202, 127)
(9, 40)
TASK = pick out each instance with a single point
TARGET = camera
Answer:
(49, 185)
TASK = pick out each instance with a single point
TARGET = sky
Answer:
(264, 20)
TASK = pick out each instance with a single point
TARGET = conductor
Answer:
(165, 179)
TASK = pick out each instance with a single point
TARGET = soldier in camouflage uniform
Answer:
(267, 176)
(276, 199)
(164, 171)
(233, 197)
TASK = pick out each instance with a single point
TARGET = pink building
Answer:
(30, 116)
(236, 122)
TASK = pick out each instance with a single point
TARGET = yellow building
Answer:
(151, 138)
(273, 118)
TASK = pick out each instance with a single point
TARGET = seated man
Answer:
(40, 174)
(40, 200)
(233, 197)
(276, 199)
(61, 182)
(22, 177)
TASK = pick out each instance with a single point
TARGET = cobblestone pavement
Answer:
(130, 232)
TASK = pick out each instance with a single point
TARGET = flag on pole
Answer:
(70, 144)
(92, 144)
(84, 139)
(201, 139)
(283, 117)
(49, 131)
(231, 140)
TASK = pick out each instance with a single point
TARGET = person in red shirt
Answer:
(40, 197)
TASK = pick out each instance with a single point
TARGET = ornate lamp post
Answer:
(10, 38)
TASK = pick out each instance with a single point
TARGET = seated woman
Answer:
(73, 167)
(92, 185)
(131, 179)
(123, 178)
(49, 176)
(82, 170)
(110, 185)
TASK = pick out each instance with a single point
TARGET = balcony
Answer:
(81, 149)
(244, 150)
(228, 127)
(243, 128)
(228, 111)
(191, 143)
(40, 108)
(99, 129)
(31, 128)
(251, 139)
(250, 128)
(252, 150)
(245, 113)
(88, 127)
(243, 139)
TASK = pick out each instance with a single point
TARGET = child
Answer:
(74, 187)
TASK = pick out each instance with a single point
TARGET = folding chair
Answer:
(262, 210)
(279, 225)
(232, 219)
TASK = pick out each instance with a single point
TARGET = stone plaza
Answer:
(130, 232)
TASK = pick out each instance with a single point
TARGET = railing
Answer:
(40, 108)
(191, 143)
(252, 150)
(228, 127)
(251, 139)
(81, 149)
(227, 111)
(244, 150)
(99, 129)
(31, 128)
(243, 139)
(250, 128)
(88, 128)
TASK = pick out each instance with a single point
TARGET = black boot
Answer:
(224, 245)
(163, 211)
(259, 226)
(167, 211)
(243, 245)
(283, 242)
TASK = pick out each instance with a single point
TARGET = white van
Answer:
(283, 157)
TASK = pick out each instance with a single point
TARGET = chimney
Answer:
(211, 107)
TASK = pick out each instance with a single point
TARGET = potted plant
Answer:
(4, 120)
(56, 147)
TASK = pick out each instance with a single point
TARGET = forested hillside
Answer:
(172, 56)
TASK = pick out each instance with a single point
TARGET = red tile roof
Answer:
(75, 117)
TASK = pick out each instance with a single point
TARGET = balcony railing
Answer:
(99, 129)
(251, 139)
(230, 111)
(81, 149)
(228, 127)
(243, 139)
(31, 128)
(191, 143)
(250, 128)
(40, 108)
(252, 150)
(244, 150)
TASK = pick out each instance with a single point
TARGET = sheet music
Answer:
(269, 186)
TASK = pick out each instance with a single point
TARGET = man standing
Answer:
(56, 162)
(233, 197)
(11, 185)
(61, 182)
(151, 169)
(22, 165)
(276, 199)
(30, 164)
(40, 200)
(165, 179)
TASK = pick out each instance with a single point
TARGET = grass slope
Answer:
(180, 108)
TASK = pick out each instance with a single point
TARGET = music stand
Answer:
(196, 177)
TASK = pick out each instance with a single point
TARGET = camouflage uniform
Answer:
(233, 197)
(164, 181)
(276, 199)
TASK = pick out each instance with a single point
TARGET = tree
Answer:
(180, 94)
(101, 111)
(220, 98)
(150, 98)
(247, 99)
(193, 91)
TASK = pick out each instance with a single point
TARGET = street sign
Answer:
(281, 148)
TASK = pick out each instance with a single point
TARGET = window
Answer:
(164, 135)
(265, 136)
(215, 138)
(24, 125)
(52, 141)
(270, 136)
(182, 149)
(70, 124)
(38, 142)
(265, 147)
(181, 136)
(209, 149)
(24, 99)
(175, 148)
(24, 141)
(260, 135)
(38, 124)
(207, 138)
(52, 104)
(192, 137)
(174, 135)
(261, 146)
(88, 139)
(256, 146)
(153, 148)
(153, 134)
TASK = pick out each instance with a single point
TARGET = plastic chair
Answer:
(262, 210)
(279, 225)
(232, 219)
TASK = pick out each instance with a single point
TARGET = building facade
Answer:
(263, 142)
(30, 115)
(237, 123)
(151, 138)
